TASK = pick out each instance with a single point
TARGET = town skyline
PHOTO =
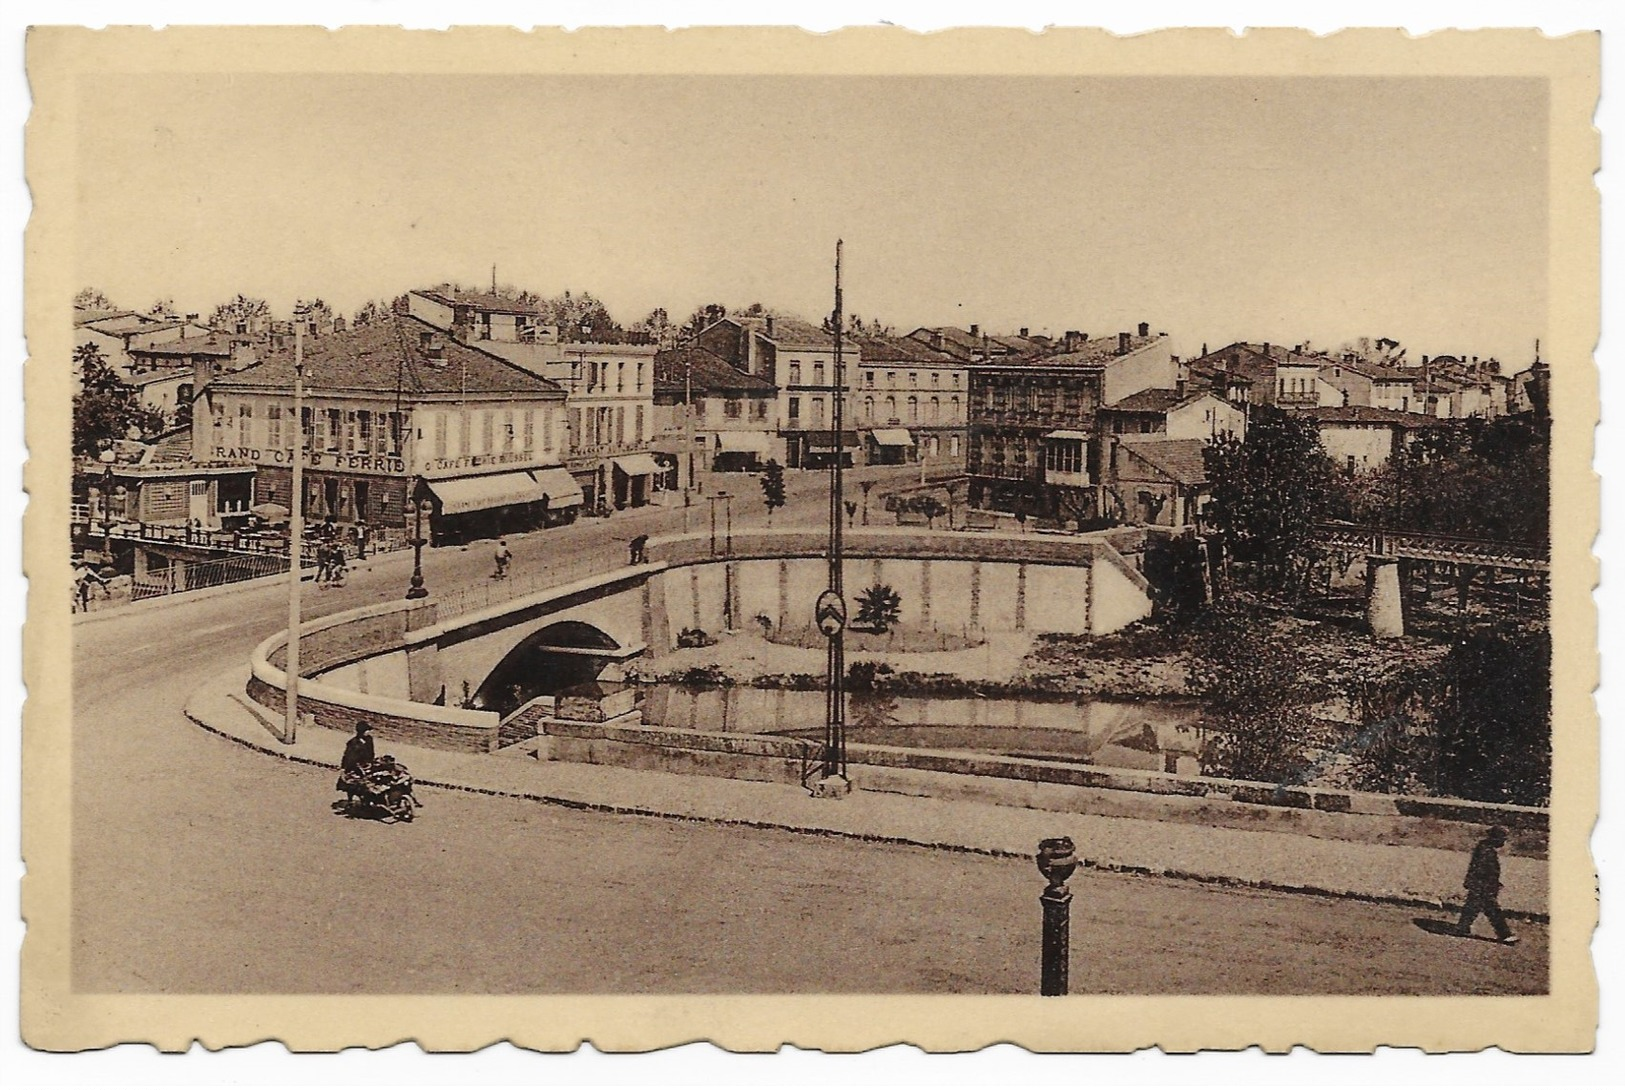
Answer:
(1132, 194)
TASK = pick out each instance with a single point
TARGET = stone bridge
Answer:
(948, 581)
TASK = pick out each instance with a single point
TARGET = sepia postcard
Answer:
(749, 536)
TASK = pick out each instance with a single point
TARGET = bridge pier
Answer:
(1385, 605)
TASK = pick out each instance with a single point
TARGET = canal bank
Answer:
(1425, 872)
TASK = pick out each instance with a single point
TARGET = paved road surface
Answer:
(203, 867)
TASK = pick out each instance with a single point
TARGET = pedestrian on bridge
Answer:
(1483, 887)
(636, 547)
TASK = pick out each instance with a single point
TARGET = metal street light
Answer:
(296, 535)
(830, 610)
(107, 516)
(420, 507)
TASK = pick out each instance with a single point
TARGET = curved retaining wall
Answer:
(331, 642)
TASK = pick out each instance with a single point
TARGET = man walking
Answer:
(1483, 887)
(636, 548)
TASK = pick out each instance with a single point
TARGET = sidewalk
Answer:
(1411, 876)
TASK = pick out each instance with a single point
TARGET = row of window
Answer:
(913, 379)
(595, 376)
(912, 407)
(1060, 455)
(734, 408)
(606, 425)
(366, 432)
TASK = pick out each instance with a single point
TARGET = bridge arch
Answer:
(548, 661)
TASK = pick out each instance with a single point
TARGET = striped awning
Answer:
(892, 437)
(751, 442)
(558, 486)
(637, 465)
(460, 495)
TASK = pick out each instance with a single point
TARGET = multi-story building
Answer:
(974, 345)
(1275, 374)
(1360, 382)
(1033, 422)
(609, 386)
(116, 332)
(798, 359)
(1183, 412)
(711, 417)
(1359, 437)
(910, 401)
(394, 412)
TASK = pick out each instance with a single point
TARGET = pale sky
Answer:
(1279, 209)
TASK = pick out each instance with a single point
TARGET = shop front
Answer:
(489, 505)
(890, 446)
(741, 451)
(819, 449)
(633, 479)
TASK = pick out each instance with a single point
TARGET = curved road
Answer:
(199, 866)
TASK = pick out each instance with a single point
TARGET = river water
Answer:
(1150, 734)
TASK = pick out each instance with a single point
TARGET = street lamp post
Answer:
(688, 427)
(107, 516)
(296, 535)
(830, 610)
(1056, 862)
(420, 500)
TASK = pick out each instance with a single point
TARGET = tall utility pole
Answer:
(688, 425)
(830, 612)
(296, 531)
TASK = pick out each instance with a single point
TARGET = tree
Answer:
(773, 487)
(657, 324)
(244, 309)
(1268, 492)
(928, 505)
(703, 316)
(879, 608)
(93, 299)
(105, 408)
(371, 312)
(572, 313)
(314, 310)
(1253, 692)
(162, 307)
(1475, 478)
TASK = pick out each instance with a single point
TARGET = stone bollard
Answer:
(1385, 608)
(1056, 862)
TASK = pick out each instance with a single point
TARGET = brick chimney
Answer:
(1182, 378)
(770, 325)
(1145, 329)
(1024, 331)
(1072, 340)
(1122, 344)
(975, 330)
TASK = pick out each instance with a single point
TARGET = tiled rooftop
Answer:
(389, 355)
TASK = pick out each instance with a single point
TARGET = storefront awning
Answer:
(1065, 434)
(558, 486)
(460, 495)
(892, 437)
(638, 465)
(825, 441)
(752, 442)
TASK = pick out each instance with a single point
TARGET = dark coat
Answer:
(358, 752)
(1484, 872)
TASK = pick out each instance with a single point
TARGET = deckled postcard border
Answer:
(54, 1017)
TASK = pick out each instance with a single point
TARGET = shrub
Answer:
(879, 607)
(695, 637)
